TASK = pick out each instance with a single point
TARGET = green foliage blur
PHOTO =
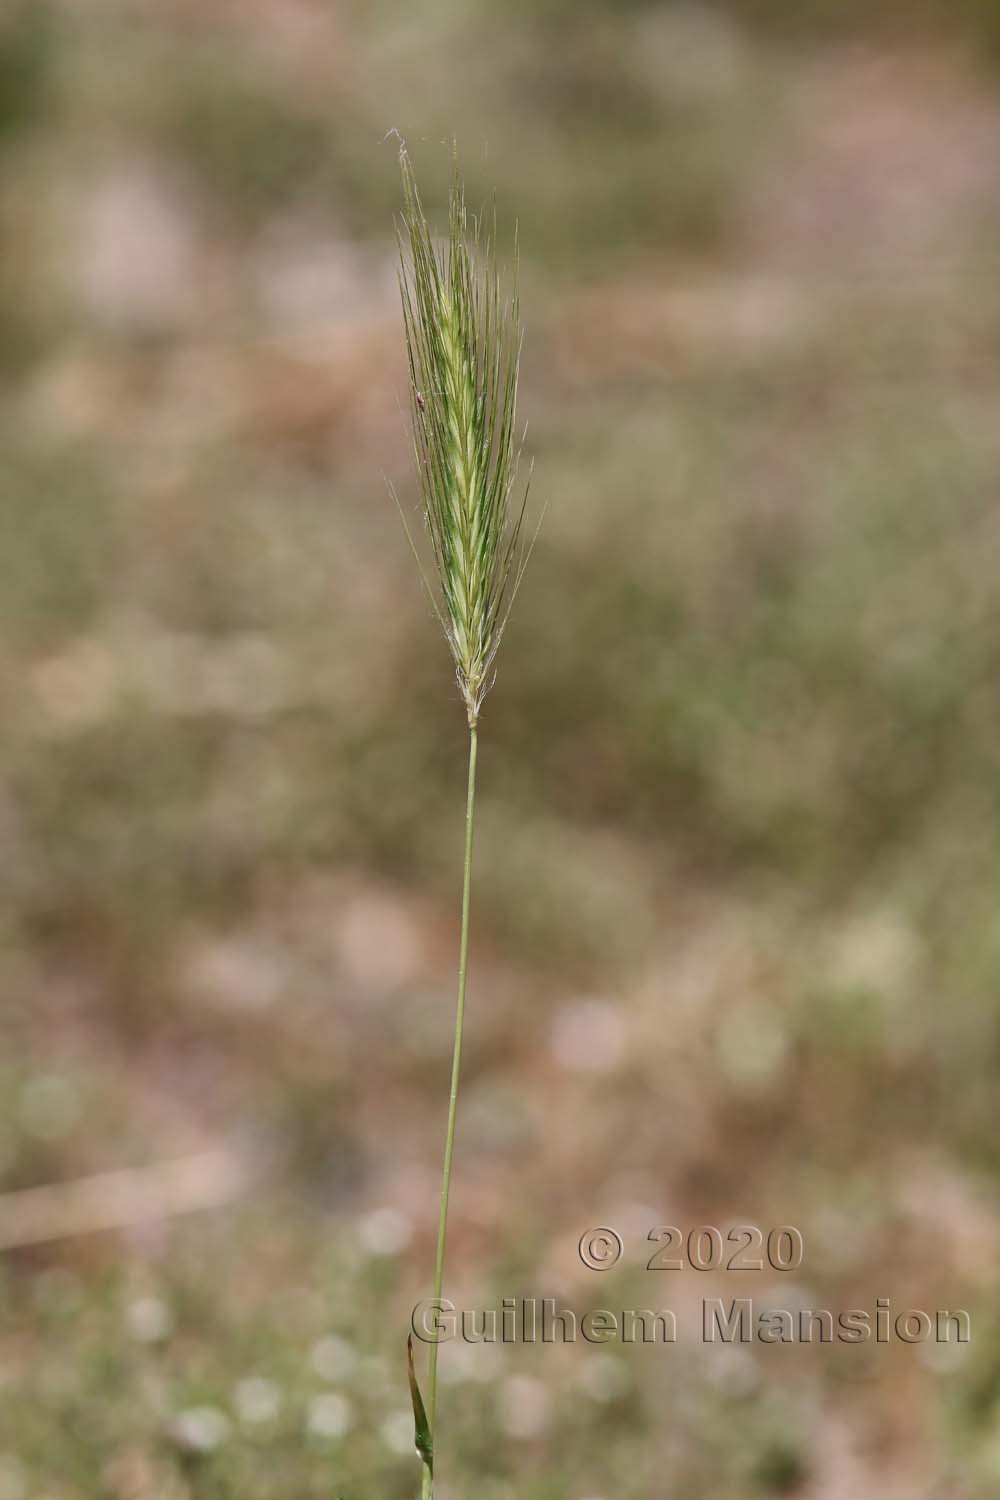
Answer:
(735, 948)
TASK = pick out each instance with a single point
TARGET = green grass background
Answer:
(736, 953)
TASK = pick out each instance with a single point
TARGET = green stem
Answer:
(456, 1065)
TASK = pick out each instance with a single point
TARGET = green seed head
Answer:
(463, 340)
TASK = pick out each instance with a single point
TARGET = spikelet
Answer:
(463, 338)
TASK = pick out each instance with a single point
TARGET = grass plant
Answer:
(463, 340)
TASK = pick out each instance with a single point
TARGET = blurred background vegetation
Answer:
(736, 949)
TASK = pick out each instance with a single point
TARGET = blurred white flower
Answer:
(257, 1400)
(149, 1320)
(397, 1433)
(385, 1231)
(334, 1358)
(201, 1428)
(329, 1416)
(525, 1407)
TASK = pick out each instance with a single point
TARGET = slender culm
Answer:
(463, 341)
